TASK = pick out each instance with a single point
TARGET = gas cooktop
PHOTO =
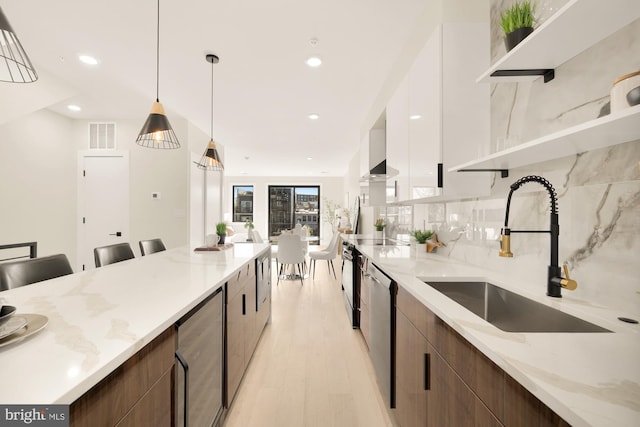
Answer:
(380, 242)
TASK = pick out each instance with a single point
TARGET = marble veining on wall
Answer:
(598, 191)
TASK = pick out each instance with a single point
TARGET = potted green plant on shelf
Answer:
(379, 225)
(221, 230)
(517, 23)
(248, 224)
(421, 237)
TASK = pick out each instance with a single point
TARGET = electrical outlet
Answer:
(155, 196)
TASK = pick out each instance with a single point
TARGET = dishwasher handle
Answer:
(185, 368)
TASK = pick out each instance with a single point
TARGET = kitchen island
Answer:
(100, 318)
(587, 379)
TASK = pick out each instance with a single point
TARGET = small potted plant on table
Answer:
(221, 230)
(517, 23)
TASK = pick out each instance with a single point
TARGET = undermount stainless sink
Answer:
(509, 311)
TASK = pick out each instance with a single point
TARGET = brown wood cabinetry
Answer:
(444, 380)
(138, 392)
(242, 332)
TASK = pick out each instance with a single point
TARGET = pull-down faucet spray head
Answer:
(505, 233)
(555, 281)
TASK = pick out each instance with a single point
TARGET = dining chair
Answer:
(105, 255)
(151, 246)
(290, 253)
(329, 253)
(257, 238)
(25, 272)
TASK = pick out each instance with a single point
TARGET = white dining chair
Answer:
(290, 253)
(257, 238)
(329, 253)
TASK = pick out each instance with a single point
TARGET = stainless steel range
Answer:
(351, 283)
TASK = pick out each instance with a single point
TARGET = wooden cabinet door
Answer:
(251, 332)
(450, 401)
(235, 337)
(411, 393)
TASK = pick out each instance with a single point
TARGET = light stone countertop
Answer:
(100, 318)
(589, 379)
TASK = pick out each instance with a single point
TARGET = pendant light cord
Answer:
(212, 100)
(158, 56)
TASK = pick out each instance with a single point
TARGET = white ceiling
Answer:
(263, 92)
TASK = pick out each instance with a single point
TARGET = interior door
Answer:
(103, 203)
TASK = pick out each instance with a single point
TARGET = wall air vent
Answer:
(102, 136)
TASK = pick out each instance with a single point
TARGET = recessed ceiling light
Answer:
(309, 158)
(243, 173)
(314, 116)
(324, 172)
(415, 117)
(74, 108)
(89, 60)
(314, 61)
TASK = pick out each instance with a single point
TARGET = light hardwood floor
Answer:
(310, 367)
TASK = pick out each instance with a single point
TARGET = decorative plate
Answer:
(35, 322)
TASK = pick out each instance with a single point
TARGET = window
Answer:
(290, 205)
(242, 203)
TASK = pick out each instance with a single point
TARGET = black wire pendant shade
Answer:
(15, 66)
(210, 160)
(157, 131)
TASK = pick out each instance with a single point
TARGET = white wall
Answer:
(331, 187)
(37, 183)
(38, 187)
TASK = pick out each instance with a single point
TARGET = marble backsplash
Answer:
(598, 191)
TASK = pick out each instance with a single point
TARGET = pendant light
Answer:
(157, 131)
(210, 160)
(15, 65)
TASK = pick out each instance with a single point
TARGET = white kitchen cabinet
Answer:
(465, 106)
(446, 119)
(425, 118)
(397, 140)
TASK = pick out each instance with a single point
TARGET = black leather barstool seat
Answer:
(151, 246)
(105, 255)
(28, 271)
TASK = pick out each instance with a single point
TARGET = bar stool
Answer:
(25, 272)
(105, 255)
(151, 246)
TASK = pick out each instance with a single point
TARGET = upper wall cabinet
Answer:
(398, 142)
(439, 116)
(425, 118)
(465, 108)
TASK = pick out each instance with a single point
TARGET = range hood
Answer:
(380, 172)
(375, 151)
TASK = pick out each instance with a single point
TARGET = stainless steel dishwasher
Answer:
(200, 357)
(382, 313)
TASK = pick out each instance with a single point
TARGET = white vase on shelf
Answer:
(378, 235)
